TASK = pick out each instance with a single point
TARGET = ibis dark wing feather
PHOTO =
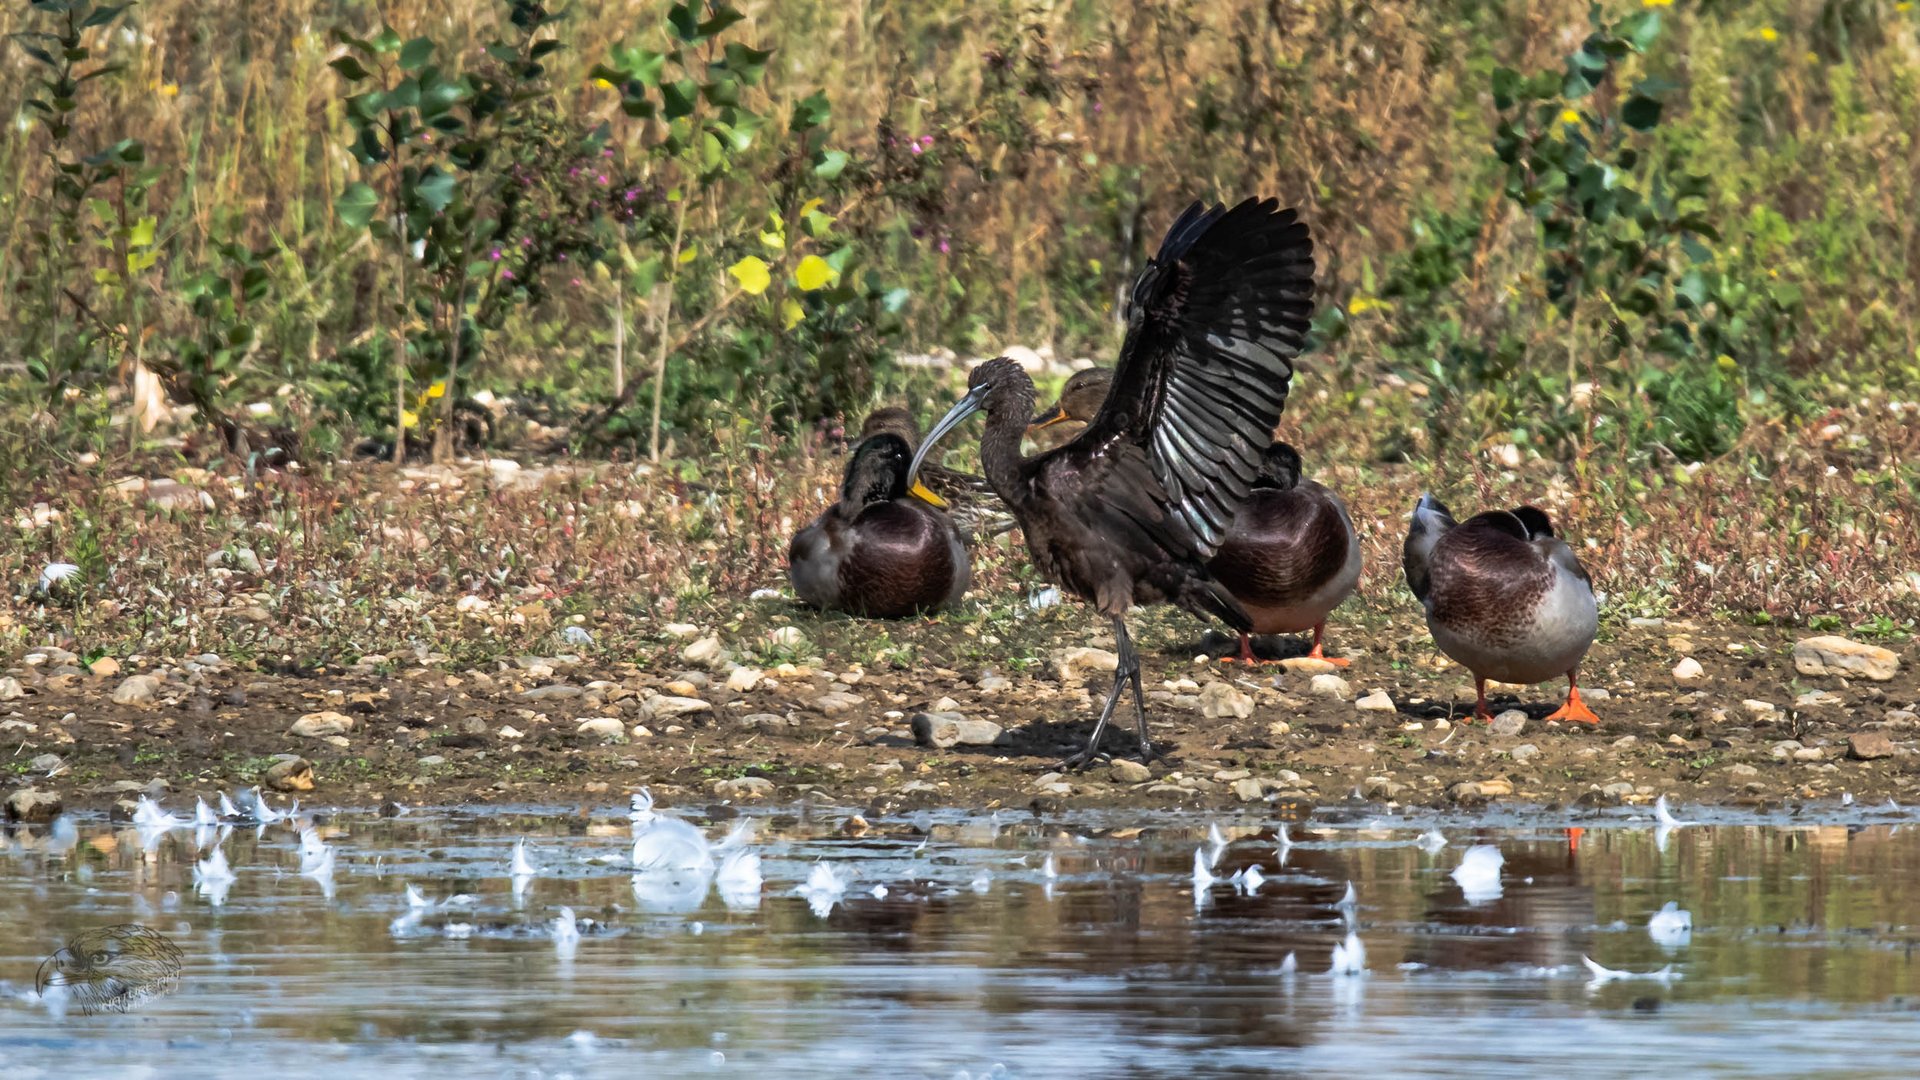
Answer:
(1213, 325)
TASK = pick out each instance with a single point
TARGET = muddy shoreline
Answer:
(707, 716)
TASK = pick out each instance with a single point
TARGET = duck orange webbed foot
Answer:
(1574, 710)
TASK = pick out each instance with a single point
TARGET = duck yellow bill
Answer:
(1048, 419)
(926, 495)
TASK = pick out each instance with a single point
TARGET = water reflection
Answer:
(1150, 944)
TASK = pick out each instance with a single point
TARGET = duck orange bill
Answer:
(1048, 419)
(924, 494)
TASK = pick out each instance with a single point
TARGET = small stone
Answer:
(1129, 772)
(1524, 753)
(742, 679)
(945, 729)
(1333, 686)
(33, 807)
(680, 629)
(1619, 789)
(319, 725)
(1831, 655)
(661, 706)
(787, 637)
(681, 687)
(45, 762)
(507, 731)
(10, 689)
(1869, 745)
(1783, 750)
(290, 774)
(1378, 701)
(703, 651)
(1279, 728)
(836, 702)
(1499, 785)
(136, 690)
(747, 787)
(1220, 699)
(106, 667)
(1075, 665)
(1248, 790)
(945, 704)
(1756, 707)
(431, 760)
(1642, 623)
(604, 728)
(555, 692)
(993, 684)
(1688, 669)
(1742, 770)
(1816, 697)
(1901, 719)
(1510, 723)
(1309, 665)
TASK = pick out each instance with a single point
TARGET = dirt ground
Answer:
(709, 715)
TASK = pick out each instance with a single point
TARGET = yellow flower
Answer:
(1360, 305)
(752, 275)
(167, 89)
(791, 313)
(1656, 3)
(812, 273)
(1727, 363)
(603, 84)
(692, 253)
(438, 389)
(409, 418)
(1903, 6)
(1570, 117)
(1768, 33)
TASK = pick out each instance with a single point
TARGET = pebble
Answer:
(1074, 665)
(704, 651)
(1333, 686)
(1619, 789)
(1688, 669)
(1248, 790)
(290, 774)
(136, 690)
(1902, 719)
(1809, 753)
(1869, 745)
(33, 807)
(1783, 750)
(10, 689)
(1756, 707)
(993, 684)
(431, 760)
(1742, 770)
(836, 702)
(1129, 772)
(1816, 697)
(106, 667)
(319, 725)
(1831, 655)
(1378, 701)
(608, 728)
(680, 629)
(786, 637)
(763, 719)
(944, 729)
(1509, 723)
(1646, 624)
(1219, 700)
(1309, 665)
(681, 687)
(1524, 752)
(742, 679)
(746, 787)
(661, 706)
(509, 732)
(45, 762)
(555, 692)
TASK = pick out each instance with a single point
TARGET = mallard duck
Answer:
(1129, 512)
(1291, 556)
(886, 549)
(975, 509)
(1504, 596)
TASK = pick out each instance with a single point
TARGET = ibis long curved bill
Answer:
(974, 402)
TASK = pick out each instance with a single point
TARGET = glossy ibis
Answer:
(1130, 511)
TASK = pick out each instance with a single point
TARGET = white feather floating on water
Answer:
(1663, 817)
(739, 879)
(1289, 967)
(1216, 843)
(203, 814)
(1670, 927)
(148, 817)
(566, 933)
(1431, 841)
(228, 811)
(823, 888)
(416, 900)
(520, 867)
(316, 857)
(1478, 874)
(1203, 878)
(642, 810)
(1048, 870)
(1349, 958)
(1605, 975)
(1846, 798)
(669, 843)
(1249, 880)
(879, 892)
(213, 868)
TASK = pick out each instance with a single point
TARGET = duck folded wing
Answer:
(1213, 324)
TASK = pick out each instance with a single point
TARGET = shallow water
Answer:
(1800, 961)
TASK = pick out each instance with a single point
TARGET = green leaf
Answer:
(385, 41)
(810, 112)
(141, 235)
(1641, 113)
(749, 64)
(723, 17)
(101, 16)
(684, 21)
(1506, 82)
(349, 68)
(722, 91)
(1640, 28)
(414, 54)
(677, 98)
(435, 189)
(356, 205)
(828, 164)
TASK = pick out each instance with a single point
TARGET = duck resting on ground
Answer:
(1504, 596)
(1292, 555)
(967, 498)
(885, 549)
(1130, 511)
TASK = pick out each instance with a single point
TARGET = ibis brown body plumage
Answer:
(1129, 512)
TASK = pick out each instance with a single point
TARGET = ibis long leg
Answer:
(1128, 669)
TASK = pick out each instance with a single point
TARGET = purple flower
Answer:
(494, 255)
(926, 141)
(602, 178)
(508, 274)
(916, 148)
(943, 247)
(606, 151)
